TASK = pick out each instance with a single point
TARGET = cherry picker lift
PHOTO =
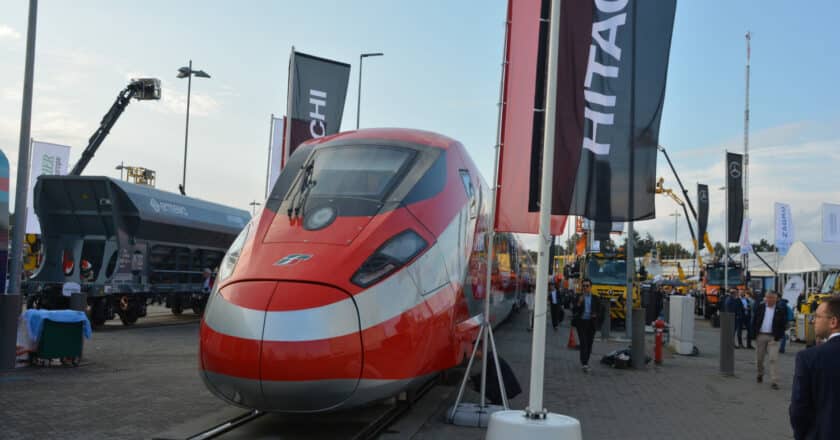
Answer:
(140, 89)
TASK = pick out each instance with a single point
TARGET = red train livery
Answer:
(362, 275)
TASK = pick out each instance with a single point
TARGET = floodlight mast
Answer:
(139, 89)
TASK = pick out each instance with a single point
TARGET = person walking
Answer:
(770, 322)
(734, 305)
(815, 400)
(749, 305)
(554, 304)
(790, 318)
(585, 320)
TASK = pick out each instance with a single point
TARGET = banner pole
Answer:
(535, 409)
(287, 127)
(268, 159)
(485, 331)
(24, 149)
(726, 225)
(746, 147)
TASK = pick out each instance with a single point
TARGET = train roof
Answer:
(391, 134)
(81, 196)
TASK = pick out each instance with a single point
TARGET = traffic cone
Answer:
(572, 344)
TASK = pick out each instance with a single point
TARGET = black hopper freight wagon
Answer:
(125, 245)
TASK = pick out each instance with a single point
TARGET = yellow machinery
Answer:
(31, 252)
(830, 287)
(608, 273)
(660, 189)
(139, 175)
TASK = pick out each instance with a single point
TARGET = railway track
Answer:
(362, 424)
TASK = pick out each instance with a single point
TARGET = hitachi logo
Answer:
(318, 99)
(610, 26)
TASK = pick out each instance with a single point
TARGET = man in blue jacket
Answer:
(815, 399)
(734, 305)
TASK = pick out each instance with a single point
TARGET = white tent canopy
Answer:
(811, 257)
(759, 269)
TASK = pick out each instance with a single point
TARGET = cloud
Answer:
(174, 102)
(8, 33)
(786, 165)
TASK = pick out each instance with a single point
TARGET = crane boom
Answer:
(140, 89)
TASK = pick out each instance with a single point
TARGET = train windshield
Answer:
(359, 172)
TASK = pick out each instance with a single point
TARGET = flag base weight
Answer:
(515, 424)
(477, 415)
(472, 414)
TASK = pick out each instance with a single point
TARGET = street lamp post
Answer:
(254, 205)
(676, 216)
(359, 97)
(188, 72)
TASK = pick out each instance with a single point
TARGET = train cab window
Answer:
(367, 172)
(470, 190)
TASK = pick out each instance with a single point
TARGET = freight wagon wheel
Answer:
(128, 314)
(128, 317)
(176, 306)
(97, 313)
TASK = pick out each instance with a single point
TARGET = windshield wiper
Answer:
(302, 190)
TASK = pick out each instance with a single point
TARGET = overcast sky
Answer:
(440, 72)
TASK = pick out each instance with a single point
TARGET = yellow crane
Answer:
(660, 189)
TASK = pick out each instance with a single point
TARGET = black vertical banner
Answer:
(702, 212)
(735, 195)
(612, 70)
(318, 91)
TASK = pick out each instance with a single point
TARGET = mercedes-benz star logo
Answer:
(734, 170)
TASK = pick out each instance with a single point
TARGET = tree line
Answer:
(667, 250)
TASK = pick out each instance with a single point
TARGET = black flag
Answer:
(702, 212)
(317, 90)
(735, 195)
(612, 69)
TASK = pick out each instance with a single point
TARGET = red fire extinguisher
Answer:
(660, 333)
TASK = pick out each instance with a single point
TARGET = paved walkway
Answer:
(685, 398)
(138, 382)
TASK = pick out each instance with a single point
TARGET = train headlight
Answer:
(389, 257)
(319, 219)
(232, 256)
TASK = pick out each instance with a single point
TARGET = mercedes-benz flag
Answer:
(702, 212)
(735, 196)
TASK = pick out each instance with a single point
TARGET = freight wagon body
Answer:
(125, 244)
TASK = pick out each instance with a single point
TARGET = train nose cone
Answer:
(311, 348)
(231, 341)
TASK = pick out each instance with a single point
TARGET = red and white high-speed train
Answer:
(363, 275)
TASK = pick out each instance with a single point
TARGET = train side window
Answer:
(470, 190)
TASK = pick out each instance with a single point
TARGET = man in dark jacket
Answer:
(734, 305)
(769, 324)
(586, 318)
(815, 399)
